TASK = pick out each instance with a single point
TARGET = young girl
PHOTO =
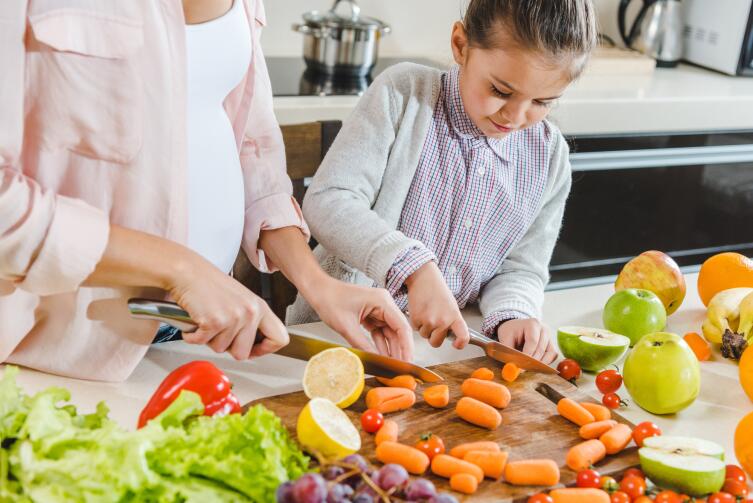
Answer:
(449, 188)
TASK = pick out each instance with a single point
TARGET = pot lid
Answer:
(343, 14)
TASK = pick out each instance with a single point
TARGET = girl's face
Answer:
(506, 89)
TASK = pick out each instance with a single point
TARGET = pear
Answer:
(687, 465)
(592, 348)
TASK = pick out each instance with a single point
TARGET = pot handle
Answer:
(307, 30)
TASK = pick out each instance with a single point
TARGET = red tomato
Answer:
(735, 488)
(611, 400)
(569, 369)
(540, 498)
(721, 498)
(633, 486)
(643, 431)
(667, 497)
(371, 421)
(588, 478)
(431, 445)
(636, 472)
(620, 497)
(608, 484)
(737, 473)
(608, 381)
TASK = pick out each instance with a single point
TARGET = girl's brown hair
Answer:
(558, 28)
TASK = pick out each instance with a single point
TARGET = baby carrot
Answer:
(493, 393)
(510, 372)
(569, 409)
(478, 413)
(404, 381)
(585, 454)
(483, 373)
(599, 412)
(532, 472)
(463, 483)
(437, 396)
(491, 463)
(579, 495)
(409, 457)
(699, 345)
(597, 429)
(388, 432)
(390, 399)
(617, 438)
(447, 466)
(460, 450)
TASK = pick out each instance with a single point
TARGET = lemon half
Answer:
(325, 428)
(335, 374)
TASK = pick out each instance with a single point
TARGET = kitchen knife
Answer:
(506, 354)
(300, 347)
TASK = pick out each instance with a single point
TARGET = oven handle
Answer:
(660, 157)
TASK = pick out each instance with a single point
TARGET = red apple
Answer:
(657, 272)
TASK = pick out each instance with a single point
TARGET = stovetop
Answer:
(290, 77)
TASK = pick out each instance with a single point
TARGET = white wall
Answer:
(419, 27)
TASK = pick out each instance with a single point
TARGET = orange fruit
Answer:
(746, 372)
(744, 443)
(724, 271)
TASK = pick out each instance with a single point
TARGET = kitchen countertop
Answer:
(714, 415)
(686, 98)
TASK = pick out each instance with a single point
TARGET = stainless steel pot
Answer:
(341, 41)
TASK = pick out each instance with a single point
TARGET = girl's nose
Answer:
(514, 112)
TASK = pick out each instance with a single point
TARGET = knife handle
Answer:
(164, 311)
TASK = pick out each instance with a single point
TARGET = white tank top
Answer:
(218, 53)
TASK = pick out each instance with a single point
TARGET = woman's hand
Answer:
(529, 336)
(433, 309)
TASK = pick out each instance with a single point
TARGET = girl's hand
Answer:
(529, 336)
(433, 309)
(348, 309)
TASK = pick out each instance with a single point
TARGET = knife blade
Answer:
(506, 354)
(300, 347)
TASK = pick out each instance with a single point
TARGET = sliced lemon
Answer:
(335, 374)
(325, 428)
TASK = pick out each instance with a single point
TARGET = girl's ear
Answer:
(459, 42)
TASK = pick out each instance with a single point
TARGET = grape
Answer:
(363, 497)
(310, 488)
(443, 498)
(390, 475)
(332, 472)
(420, 489)
(285, 493)
(358, 460)
(339, 493)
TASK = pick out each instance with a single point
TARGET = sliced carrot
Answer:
(447, 466)
(437, 396)
(483, 373)
(404, 381)
(571, 410)
(478, 413)
(460, 450)
(410, 458)
(532, 472)
(599, 412)
(597, 429)
(699, 346)
(617, 438)
(463, 483)
(510, 372)
(493, 393)
(390, 399)
(585, 454)
(579, 495)
(492, 463)
(388, 432)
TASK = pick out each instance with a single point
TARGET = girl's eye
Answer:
(545, 104)
(500, 93)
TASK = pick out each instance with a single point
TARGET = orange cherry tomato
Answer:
(431, 445)
(636, 472)
(620, 497)
(735, 472)
(540, 498)
(608, 484)
(722, 498)
(735, 488)
(633, 486)
(667, 497)
(643, 499)
(643, 431)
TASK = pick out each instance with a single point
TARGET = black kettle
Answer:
(656, 31)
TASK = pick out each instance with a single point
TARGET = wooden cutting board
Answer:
(531, 427)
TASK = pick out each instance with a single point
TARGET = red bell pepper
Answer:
(201, 377)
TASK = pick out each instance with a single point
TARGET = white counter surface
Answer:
(714, 415)
(686, 98)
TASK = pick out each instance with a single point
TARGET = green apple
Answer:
(662, 374)
(634, 313)
(687, 465)
(592, 348)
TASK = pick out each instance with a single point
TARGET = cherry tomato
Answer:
(620, 497)
(737, 473)
(608, 381)
(588, 478)
(371, 420)
(735, 488)
(642, 499)
(721, 498)
(608, 484)
(635, 472)
(540, 498)
(667, 497)
(431, 445)
(569, 369)
(643, 431)
(633, 486)
(611, 400)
